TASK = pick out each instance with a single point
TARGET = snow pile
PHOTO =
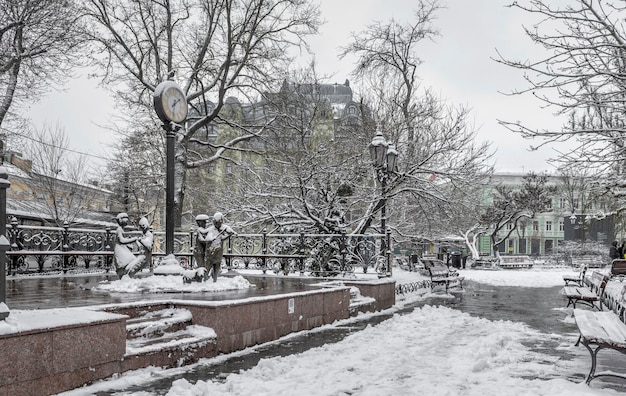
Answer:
(521, 278)
(172, 283)
(431, 351)
(169, 269)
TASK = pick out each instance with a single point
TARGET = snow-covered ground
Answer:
(429, 351)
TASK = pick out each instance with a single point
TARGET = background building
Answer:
(37, 199)
(577, 214)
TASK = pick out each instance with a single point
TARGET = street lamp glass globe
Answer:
(378, 149)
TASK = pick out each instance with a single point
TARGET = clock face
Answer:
(170, 102)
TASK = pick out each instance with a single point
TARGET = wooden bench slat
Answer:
(580, 293)
(601, 328)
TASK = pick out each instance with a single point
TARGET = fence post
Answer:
(344, 250)
(264, 250)
(65, 246)
(108, 260)
(301, 259)
(229, 250)
(4, 242)
(388, 252)
(14, 245)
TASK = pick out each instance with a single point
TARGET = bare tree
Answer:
(313, 166)
(582, 76)
(37, 43)
(61, 178)
(510, 207)
(218, 49)
(136, 170)
(439, 155)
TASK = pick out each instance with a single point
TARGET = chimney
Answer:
(23, 164)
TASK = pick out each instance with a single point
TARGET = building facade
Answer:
(574, 215)
(37, 199)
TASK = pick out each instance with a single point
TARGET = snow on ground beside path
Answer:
(431, 351)
(536, 277)
(522, 278)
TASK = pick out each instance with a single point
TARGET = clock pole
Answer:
(170, 104)
(170, 134)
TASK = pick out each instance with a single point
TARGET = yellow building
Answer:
(37, 199)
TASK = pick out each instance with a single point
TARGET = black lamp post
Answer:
(4, 242)
(384, 157)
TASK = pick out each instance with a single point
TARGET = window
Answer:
(509, 226)
(535, 226)
(229, 168)
(548, 225)
(549, 204)
(561, 226)
(562, 203)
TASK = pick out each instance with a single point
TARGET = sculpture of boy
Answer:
(199, 251)
(146, 242)
(216, 234)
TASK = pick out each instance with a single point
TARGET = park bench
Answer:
(441, 275)
(602, 330)
(577, 279)
(590, 260)
(618, 269)
(590, 295)
(515, 262)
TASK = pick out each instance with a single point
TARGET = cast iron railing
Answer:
(52, 249)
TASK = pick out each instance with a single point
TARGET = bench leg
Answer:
(594, 354)
(592, 372)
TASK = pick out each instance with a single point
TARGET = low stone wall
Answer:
(52, 360)
(46, 361)
(243, 323)
(382, 290)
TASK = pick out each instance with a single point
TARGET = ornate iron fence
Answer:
(316, 254)
(53, 249)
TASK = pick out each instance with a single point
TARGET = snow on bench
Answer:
(441, 275)
(577, 279)
(515, 262)
(590, 260)
(602, 330)
(587, 295)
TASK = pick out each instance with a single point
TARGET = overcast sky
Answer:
(458, 66)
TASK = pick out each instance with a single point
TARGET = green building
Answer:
(578, 213)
